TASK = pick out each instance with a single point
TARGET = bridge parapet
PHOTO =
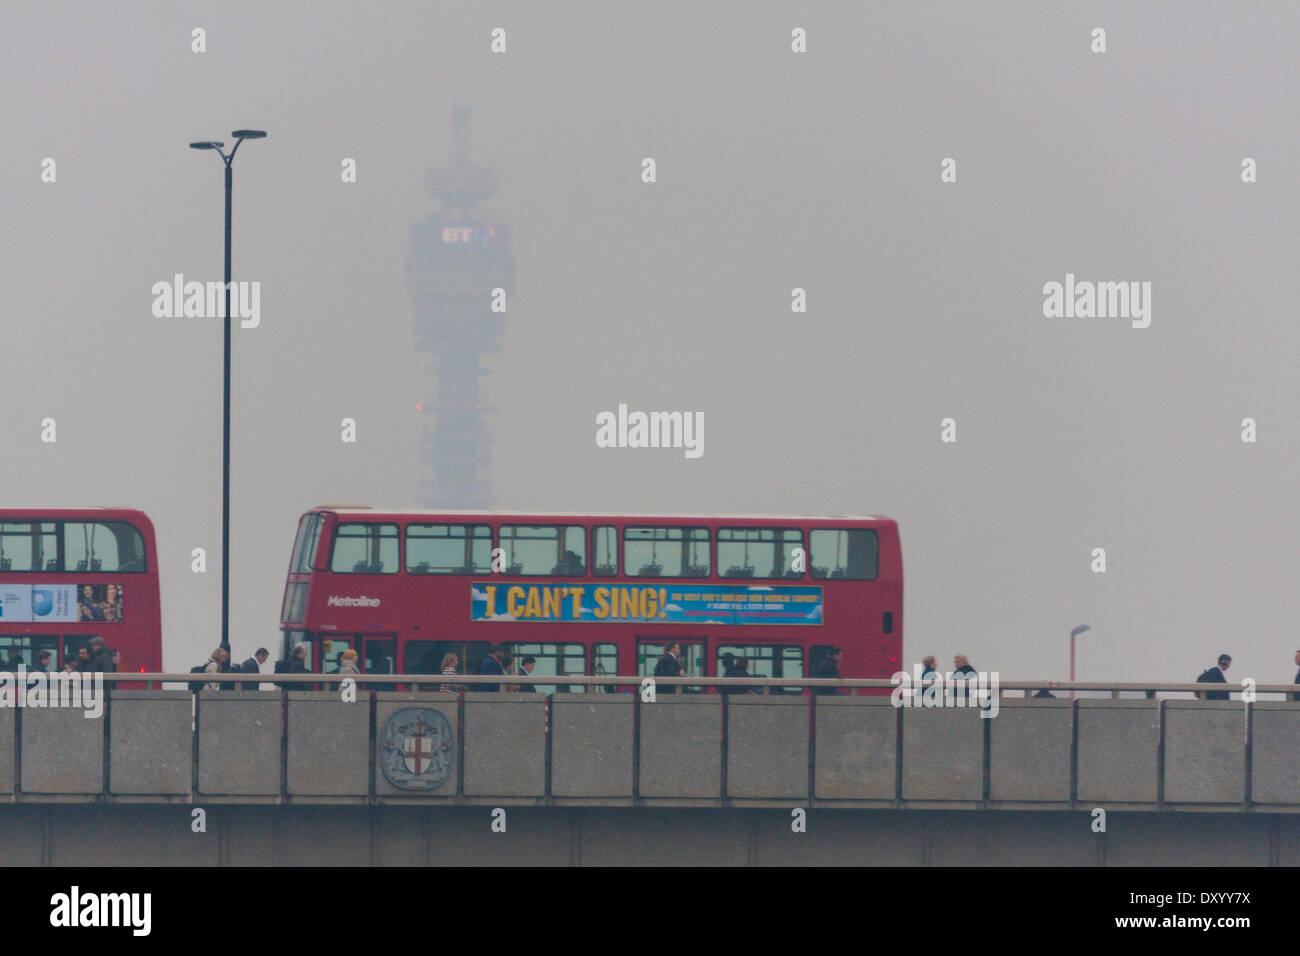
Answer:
(432, 747)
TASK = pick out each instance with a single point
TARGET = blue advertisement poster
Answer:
(646, 603)
(42, 603)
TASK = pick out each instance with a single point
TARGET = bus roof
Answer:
(91, 510)
(417, 512)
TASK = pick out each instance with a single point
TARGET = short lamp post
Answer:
(1073, 634)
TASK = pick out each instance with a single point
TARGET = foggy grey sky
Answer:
(775, 170)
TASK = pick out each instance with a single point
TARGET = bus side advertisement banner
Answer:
(39, 603)
(657, 603)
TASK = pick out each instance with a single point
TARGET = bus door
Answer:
(378, 655)
(650, 649)
(331, 652)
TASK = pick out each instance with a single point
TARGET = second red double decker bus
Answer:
(68, 575)
(592, 593)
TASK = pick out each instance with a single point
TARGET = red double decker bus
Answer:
(594, 594)
(70, 574)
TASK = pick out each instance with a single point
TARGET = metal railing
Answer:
(469, 681)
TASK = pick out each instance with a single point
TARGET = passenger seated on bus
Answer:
(605, 571)
(421, 568)
(650, 570)
(570, 565)
(696, 571)
(736, 571)
(359, 567)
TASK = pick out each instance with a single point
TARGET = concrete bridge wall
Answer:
(679, 751)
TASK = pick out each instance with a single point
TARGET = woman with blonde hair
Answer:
(348, 662)
(216, 664)
(449, 664)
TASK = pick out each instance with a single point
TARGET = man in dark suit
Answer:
(253, 666)
(669, 666)
(1296, 697)
(101, 658)
(526, 670)
(1215, 676)
(491, 665)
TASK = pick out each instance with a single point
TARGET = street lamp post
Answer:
(240, 135)
(1073, 634)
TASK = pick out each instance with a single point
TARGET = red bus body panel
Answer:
(139, 635)
(862, 617)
